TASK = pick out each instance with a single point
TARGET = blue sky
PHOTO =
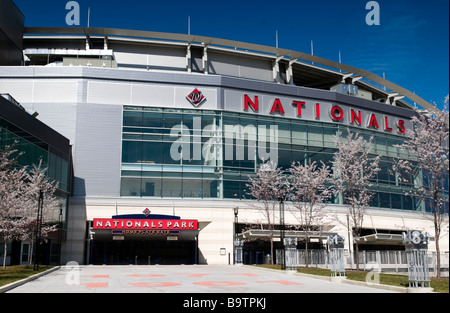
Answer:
(410, 46)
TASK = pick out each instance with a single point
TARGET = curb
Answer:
(18, 283)
(373, 285)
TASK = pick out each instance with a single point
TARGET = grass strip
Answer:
(18, 272)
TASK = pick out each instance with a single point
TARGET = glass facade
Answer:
(174, 153)
(33, 150)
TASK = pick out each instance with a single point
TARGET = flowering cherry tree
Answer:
(428, 146)
(353, 170)
(13, 217)
(20, 189)
(310, 189)
(38, 183)
(267, 188)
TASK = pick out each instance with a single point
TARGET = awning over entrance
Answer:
(264, 233)
(382, 239)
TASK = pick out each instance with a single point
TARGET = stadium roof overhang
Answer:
(316, 78)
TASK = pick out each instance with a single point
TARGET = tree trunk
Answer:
(271, 250)
(5, 251)
(306, 253)
(31, 252)
(438, 258)
(437, 234)
(357, 255)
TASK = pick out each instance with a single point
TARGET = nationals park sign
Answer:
(139, 224)
(144, 221)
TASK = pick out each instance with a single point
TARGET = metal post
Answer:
(291, 253)
(238, 244)
(416, 246)
(336, 245)
(282, 225)
(38, 229)
(349, 241)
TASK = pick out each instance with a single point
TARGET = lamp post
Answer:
(237, 242)
(349, 241)
(38, 229)
(281, 199)
(236, 212)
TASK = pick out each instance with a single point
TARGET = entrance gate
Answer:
(143, 239)
(139, 252)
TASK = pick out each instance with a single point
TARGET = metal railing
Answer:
(385, 261)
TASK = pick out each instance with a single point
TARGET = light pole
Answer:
(236, 220)
(237, 243)
(281, 199)
(349, 241)
(38, 229)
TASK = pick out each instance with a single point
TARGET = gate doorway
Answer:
(148, 252)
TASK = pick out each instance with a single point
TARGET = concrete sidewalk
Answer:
(185, 279)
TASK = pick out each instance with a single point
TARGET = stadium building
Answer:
(166, 129)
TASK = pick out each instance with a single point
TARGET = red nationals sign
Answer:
(108, 223)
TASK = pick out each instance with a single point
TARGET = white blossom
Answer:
(354, 168)
(268, 187)
(428, 146)
(309, 192)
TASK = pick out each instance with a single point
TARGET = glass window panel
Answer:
(132, 118)
(396, 200)
(233, 189)
(407, 202)
(375, 201)
(167, 157)
(419, 204)
(131, 173)
(299, 134)
(131, 151)
(385, 200)
(209, 120)
(152, 137)
(392, 151)
(172, 119)
(265, 125)
(132, 136)
(315, 135)
(211, 188)
(172, 187)
(284, 159)
(152, 119)
(380, 145)
(151, 187)
(328, 135)
(188, 121)
(284, 133)
(383, 175)
(65, 176)
(130, 187)
(299, 156)
(192, 188)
